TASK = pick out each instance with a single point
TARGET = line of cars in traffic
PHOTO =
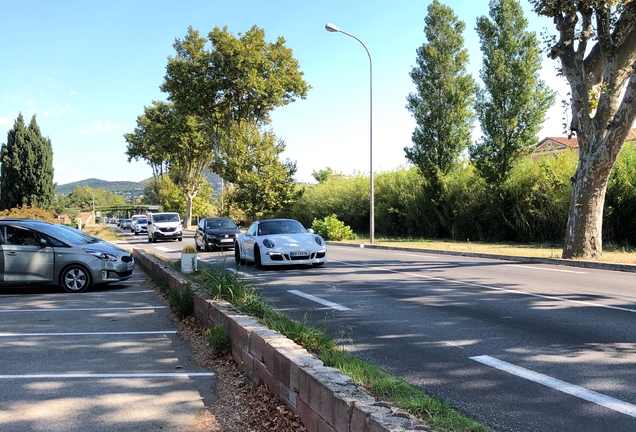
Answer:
(272, 242)
(38, 252)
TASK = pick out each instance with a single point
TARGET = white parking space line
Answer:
(84, 309)
(417, 275)
(89, 333)
(418, 256)
(545, 268)
(327, 303)
(571, 389)
(137, 375)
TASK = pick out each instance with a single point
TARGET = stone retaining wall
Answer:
(323, 398)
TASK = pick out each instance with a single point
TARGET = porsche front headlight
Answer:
(268, 243)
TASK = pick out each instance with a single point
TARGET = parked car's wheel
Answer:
(196, 245)
(257, 257)
(180, 239)
(75, 279)
(237, 254)
(136, 233)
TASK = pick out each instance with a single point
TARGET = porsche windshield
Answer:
(281, 227)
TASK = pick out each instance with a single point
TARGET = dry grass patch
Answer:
(612, 254)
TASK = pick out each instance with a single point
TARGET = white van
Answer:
(164, 226)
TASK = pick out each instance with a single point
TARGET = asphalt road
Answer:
(519, 347)
(108, 359)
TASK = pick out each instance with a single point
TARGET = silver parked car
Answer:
(37, 252)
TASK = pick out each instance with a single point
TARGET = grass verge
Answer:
(221, 284)
(103, 232)
(612, 253)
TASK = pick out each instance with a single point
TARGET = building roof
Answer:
(561, 143)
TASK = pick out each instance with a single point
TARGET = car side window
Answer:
(252, 230)
(21, 237)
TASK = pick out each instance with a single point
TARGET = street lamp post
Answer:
(332, 28)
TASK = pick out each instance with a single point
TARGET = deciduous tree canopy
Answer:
(262, 183)
(596, 47)
(175, 144)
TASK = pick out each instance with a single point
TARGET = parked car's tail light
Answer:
(102, 255)
(319, 240)
(268, 243)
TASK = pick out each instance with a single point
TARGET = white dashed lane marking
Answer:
(323, 302)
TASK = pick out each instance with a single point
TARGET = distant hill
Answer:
(125, 188)
(118, 187)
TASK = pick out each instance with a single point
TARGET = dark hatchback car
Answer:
(215, 233)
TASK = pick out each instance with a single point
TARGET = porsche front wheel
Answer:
(257, 257)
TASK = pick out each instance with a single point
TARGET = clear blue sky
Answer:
(88, 68)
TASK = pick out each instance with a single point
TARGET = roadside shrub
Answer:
(221, 285)
(330, 228)
(181, 302)
(28, 213)
(218, 340)
(619, 223)
(402, 207)
(348, 197)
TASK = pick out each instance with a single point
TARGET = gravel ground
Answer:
(241, 405)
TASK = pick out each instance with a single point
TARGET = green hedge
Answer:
(530, 206)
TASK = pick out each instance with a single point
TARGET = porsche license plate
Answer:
(299, 253)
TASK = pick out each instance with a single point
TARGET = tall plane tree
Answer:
(442, 105)
(174, 144)
(262, 183)
(596, 47)
(234, 80)
(512, 104)
(27, 167)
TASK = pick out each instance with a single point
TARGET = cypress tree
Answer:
(512, 104)
(26, 176)
(442, 105)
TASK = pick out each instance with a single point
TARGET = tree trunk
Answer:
(188, 211)
(583, 238)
